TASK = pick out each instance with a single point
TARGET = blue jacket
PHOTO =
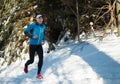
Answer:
(35, 29)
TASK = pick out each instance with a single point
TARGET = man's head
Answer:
(39, 18)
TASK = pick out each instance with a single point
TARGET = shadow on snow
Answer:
(101, 63)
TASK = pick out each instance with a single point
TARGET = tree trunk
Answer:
(118, 15)
(78, 25)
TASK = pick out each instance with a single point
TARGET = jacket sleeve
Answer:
(28, 31)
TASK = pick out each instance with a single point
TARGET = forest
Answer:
(60, 16)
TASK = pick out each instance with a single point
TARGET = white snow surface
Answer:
(87, 62)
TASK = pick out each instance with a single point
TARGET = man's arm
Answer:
(28, 31)
(43, 41)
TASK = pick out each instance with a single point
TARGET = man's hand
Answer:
(35, 36)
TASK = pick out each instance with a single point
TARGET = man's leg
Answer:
(40, 56)
(32, 49)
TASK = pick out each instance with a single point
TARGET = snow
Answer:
(87, 62)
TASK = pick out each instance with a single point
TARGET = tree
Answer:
(78, 19)
(118, 15)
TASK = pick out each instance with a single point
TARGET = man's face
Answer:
(40, 19)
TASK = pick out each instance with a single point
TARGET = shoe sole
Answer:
(39, 78)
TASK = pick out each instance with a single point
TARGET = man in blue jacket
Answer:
(35, 32)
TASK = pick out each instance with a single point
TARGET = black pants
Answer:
(32, 50)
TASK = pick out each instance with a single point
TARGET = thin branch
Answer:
(72, 11)
(106, 12)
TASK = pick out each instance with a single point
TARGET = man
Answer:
(35, 31)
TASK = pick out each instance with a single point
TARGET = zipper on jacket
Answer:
(39, 36)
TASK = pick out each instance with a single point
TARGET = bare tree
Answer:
(118, 15)
(78, 21)
(112, 22)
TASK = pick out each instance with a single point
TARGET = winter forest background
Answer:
(78, 18)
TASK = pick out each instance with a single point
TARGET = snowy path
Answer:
(83, 63)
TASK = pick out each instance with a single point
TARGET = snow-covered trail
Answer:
(75, 63)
